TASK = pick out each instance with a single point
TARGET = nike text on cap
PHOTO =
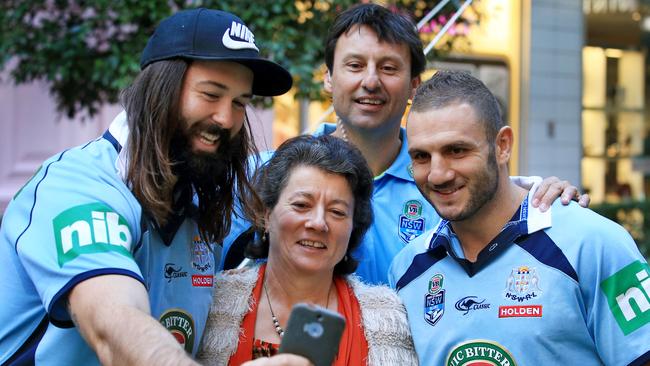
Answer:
(205, 34)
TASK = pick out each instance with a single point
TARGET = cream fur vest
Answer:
(383, 316)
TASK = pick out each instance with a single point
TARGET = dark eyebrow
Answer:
(222, 87)
(311, 196)
(413, 151)
(385, 58)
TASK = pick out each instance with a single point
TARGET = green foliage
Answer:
(89, 50)
(86, 53)
(634, 216)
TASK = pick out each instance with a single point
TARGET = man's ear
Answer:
(415, 82)
(327, 82)
(504, 142)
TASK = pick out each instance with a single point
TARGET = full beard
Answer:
(210, 174)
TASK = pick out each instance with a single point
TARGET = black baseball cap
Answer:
(206, 34)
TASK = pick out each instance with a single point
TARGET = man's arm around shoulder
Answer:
(112, 314)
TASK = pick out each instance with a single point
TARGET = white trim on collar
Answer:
(536, 219)
(119, 129)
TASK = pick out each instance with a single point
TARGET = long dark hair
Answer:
(331, 155)
(153, 113)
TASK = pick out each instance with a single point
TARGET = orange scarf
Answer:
(353, 349)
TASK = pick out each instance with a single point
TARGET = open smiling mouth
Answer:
(370, 101)
(312, 244)
(208, 138)
(447, 191)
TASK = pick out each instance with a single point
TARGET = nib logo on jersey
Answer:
(88, 229)
(628, 295)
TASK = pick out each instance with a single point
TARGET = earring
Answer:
(265, 237)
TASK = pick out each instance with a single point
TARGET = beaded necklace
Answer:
(276, 323)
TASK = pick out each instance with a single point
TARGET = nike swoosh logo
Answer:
(236, 45)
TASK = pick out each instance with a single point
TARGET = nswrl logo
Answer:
(628, 296)
(90, 228)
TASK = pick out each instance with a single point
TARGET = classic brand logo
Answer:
(628, 295)
(172, 271)
(181, 326)
(242, 32)
(523, 311)
(480, 353)
(468, 303)
(90, 228)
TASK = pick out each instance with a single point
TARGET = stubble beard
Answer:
(481, 191)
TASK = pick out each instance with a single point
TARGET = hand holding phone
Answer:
(313, 332)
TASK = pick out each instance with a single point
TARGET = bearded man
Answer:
(498, 281)
(113, 241)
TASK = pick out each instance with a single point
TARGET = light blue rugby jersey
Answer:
(567, 288)
(76, 219)
(401, 215)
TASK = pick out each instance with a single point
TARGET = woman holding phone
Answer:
(315, 209)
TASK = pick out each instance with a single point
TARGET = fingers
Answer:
(548, 191)
(551, 188)
(569, 193)
(584, 200)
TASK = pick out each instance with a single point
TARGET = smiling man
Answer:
(107, 254)
(498, 281)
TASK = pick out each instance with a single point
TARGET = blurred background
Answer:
(571, 76)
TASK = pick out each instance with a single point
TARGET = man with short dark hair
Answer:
(107, 254)
(498, 281)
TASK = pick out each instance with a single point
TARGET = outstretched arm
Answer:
(112, 314)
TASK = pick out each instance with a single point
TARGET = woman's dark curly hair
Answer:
(331, 155)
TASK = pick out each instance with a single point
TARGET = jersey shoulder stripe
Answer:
(544, 249)
(31, 211)
(422, 262)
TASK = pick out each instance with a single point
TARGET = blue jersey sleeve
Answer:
(72, 221)
(615, 285)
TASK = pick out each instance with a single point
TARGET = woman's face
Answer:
(309, 228)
